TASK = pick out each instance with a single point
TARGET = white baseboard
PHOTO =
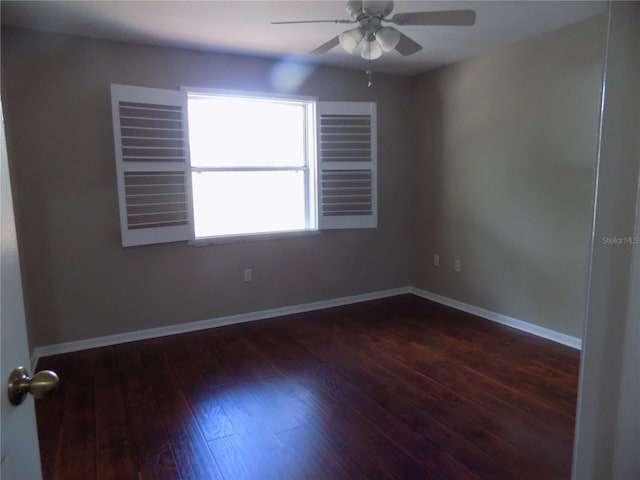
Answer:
(306, 307)
(557, 337)
(204, 324)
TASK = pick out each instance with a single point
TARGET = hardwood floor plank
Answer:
(50, 412)
(442, 353)
(410, 307)
(307, 458)
(76, 452)
(492, 363)
(481, 387)
(552, 355)
(563, 360)
(191, 452)
(245, 395)
(212, 419)
(293, 365)
(299, 402)
(215, 370)
(252, 412)
(154, 455)
(317, 422)
(255, 456)
(487, 429)
(242, 457)
(339, 405)
(402, 399)
(550, 388)
(246, 360)
(115, 456)
(405, 359)
(256, 413)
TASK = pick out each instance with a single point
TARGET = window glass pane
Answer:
(231, 203)
(244, 132)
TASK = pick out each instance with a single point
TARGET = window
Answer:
(252, 164)
(200, 164)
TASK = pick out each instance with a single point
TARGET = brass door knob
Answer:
(20, 383)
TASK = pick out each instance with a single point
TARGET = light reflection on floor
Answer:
(267, 428)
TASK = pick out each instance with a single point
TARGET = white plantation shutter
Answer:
(151, 164)
(347, 159)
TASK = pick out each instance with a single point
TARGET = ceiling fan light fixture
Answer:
(371, 50)
(388, 38)
(350, 39)
(370, 15)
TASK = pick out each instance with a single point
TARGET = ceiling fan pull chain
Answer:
(369, 74)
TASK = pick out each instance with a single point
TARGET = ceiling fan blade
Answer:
(406, 46)
(325, 47)
(455, 18)
(313, 21)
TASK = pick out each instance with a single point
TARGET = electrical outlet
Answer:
(436, 260)
(248, 275)
(456, 265)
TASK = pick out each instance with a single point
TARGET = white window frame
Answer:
(310, 168)
(344, 194)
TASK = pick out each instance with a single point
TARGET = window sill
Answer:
(227, 239)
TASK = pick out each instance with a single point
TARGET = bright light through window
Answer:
(250, 165)
(248, 202)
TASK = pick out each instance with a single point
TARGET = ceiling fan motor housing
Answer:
(358, 8)
(369, 26)
(369, 15)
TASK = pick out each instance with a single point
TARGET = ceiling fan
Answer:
(377, 38)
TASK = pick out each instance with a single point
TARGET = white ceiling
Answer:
(244, 26)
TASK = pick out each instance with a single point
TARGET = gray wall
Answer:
(80, 283)
(506, 154)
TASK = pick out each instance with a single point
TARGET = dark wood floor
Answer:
(395, 388)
